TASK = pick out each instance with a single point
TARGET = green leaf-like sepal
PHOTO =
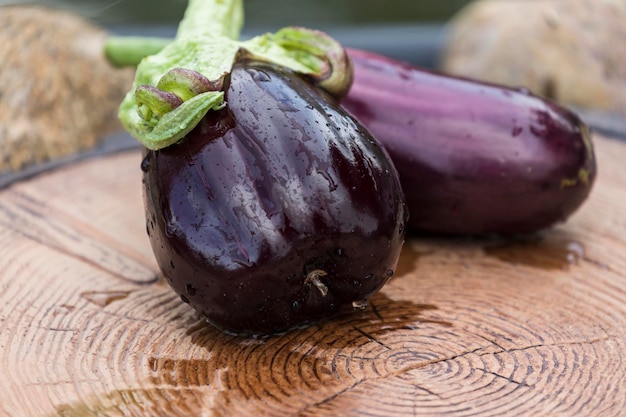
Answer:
(205, 47)
(173, 126)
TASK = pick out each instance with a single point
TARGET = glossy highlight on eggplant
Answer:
(278, 210)
(473, 158)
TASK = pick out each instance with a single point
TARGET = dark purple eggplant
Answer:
(276, 211)
(473, 158)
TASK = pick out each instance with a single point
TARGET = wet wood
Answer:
(530, 327)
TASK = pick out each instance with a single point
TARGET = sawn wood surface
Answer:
(467, 327)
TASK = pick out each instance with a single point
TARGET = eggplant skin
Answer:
(473, 158)
(271, 201)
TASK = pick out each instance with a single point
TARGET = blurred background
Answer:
(407, 29)
(267, 12)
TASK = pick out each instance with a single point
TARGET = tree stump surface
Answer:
(467, 327)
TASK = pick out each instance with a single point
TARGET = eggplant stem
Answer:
(152, 100)
(313, 277)
(194, 65)
(128, 51)
(187, 83)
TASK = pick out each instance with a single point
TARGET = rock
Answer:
(572, 51)
(58, 94)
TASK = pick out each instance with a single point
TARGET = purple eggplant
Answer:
(275, 211)
(473, 158)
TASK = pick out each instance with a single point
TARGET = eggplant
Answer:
(267, 205)
(473, 158)
(276, 211)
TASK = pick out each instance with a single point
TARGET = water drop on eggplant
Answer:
(191, 290)
(145, 163)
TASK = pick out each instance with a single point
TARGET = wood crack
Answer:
(329, 398)
(507, 379)
(92, 248)
(59, 329)
(424, 364)
(401, 371)
(370, 337)
(551, 345)
(56, 383)
(126, 317)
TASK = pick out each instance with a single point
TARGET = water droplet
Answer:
(575, 252)
(104, 298)
(153, 363)
(259, 76)
(332, 184)
(359, 305)
(145, 163)
(185, 299)
(401, 229)
(340, 252)
(389, 273)
(296, 306)
(517, 130)
(171, 230)
(368, 277)
(356, 284)
(191, 290)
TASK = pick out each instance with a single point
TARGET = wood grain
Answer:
(467, 327)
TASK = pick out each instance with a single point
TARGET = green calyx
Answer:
(179, 81)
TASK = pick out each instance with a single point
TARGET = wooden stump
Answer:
(467, 327)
